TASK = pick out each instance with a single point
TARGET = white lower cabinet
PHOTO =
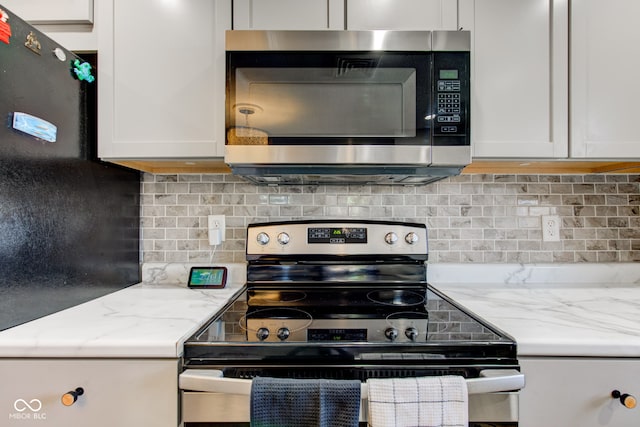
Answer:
(116, 392)
(576, 392)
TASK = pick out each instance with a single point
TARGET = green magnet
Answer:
(82, 70)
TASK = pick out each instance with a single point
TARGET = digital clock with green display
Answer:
(448, 74)
(337, 235)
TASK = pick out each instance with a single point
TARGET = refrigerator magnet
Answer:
(5, 28)
(59, 53)
(32, 43)
(35, 126)
(82, 71)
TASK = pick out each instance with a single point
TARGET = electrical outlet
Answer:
(550, 228)
(216, 229)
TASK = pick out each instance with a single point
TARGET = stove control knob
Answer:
(262, 238)
(283, 238)
(411, 238)
(411, 333)
(391, 334)
(391, 238)
(283, 333)
(262, 334)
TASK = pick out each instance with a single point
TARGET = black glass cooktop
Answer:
(451, 335)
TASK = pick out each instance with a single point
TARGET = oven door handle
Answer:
(212, 380)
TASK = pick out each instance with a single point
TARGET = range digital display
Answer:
(337, 335)
(337, 235)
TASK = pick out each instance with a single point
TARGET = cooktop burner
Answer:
(266, 297)
(336, 298)
(397, 297)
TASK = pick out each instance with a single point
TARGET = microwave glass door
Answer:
(312, 98)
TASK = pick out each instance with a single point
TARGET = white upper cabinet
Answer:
(161, 78)
(605, 88)
(69, 22)
(342, 14)
(52, 11)
(519, 78)
(519, 66)
(413, 15)
(288, 15)
(161, 70)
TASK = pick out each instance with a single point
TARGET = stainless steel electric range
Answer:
(343, 299)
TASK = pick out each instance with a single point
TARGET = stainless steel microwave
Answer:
(347, 107)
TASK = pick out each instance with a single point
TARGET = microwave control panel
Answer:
(451, 98)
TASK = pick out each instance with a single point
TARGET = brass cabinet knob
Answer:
(70, 397)
(627, 400)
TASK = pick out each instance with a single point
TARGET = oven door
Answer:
(210, 399)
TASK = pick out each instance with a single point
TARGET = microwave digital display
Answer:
(449, 74)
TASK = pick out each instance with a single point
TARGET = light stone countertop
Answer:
(554, 310)
(551, 310)
(148, 320)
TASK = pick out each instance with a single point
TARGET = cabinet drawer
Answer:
(577, 392)
(124, 393)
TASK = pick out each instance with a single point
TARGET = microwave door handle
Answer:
(211, 380)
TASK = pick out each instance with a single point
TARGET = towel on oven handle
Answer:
(423, 401)
(285, 402)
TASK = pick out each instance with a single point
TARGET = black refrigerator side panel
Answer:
(37, 82)
(69, 233)
(69, 224)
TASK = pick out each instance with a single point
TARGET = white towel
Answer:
(418, 402)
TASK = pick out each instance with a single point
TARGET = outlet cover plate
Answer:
(550, 228)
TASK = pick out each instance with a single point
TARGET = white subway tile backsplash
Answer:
(471, 218)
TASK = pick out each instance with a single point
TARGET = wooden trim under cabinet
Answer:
(522, 166)
(574, 167)
(175, 166)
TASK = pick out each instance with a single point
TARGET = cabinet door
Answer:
(519, 78)
(123, 393)
(68, 22)
(288, 15)
(402, 15)
(604, 79)
(576, 392)
(52, 11)
(161, 78)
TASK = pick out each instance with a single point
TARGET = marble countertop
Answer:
(151, 319)
(551, 310)
(578, 310)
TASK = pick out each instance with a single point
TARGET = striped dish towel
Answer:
(418, 402)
